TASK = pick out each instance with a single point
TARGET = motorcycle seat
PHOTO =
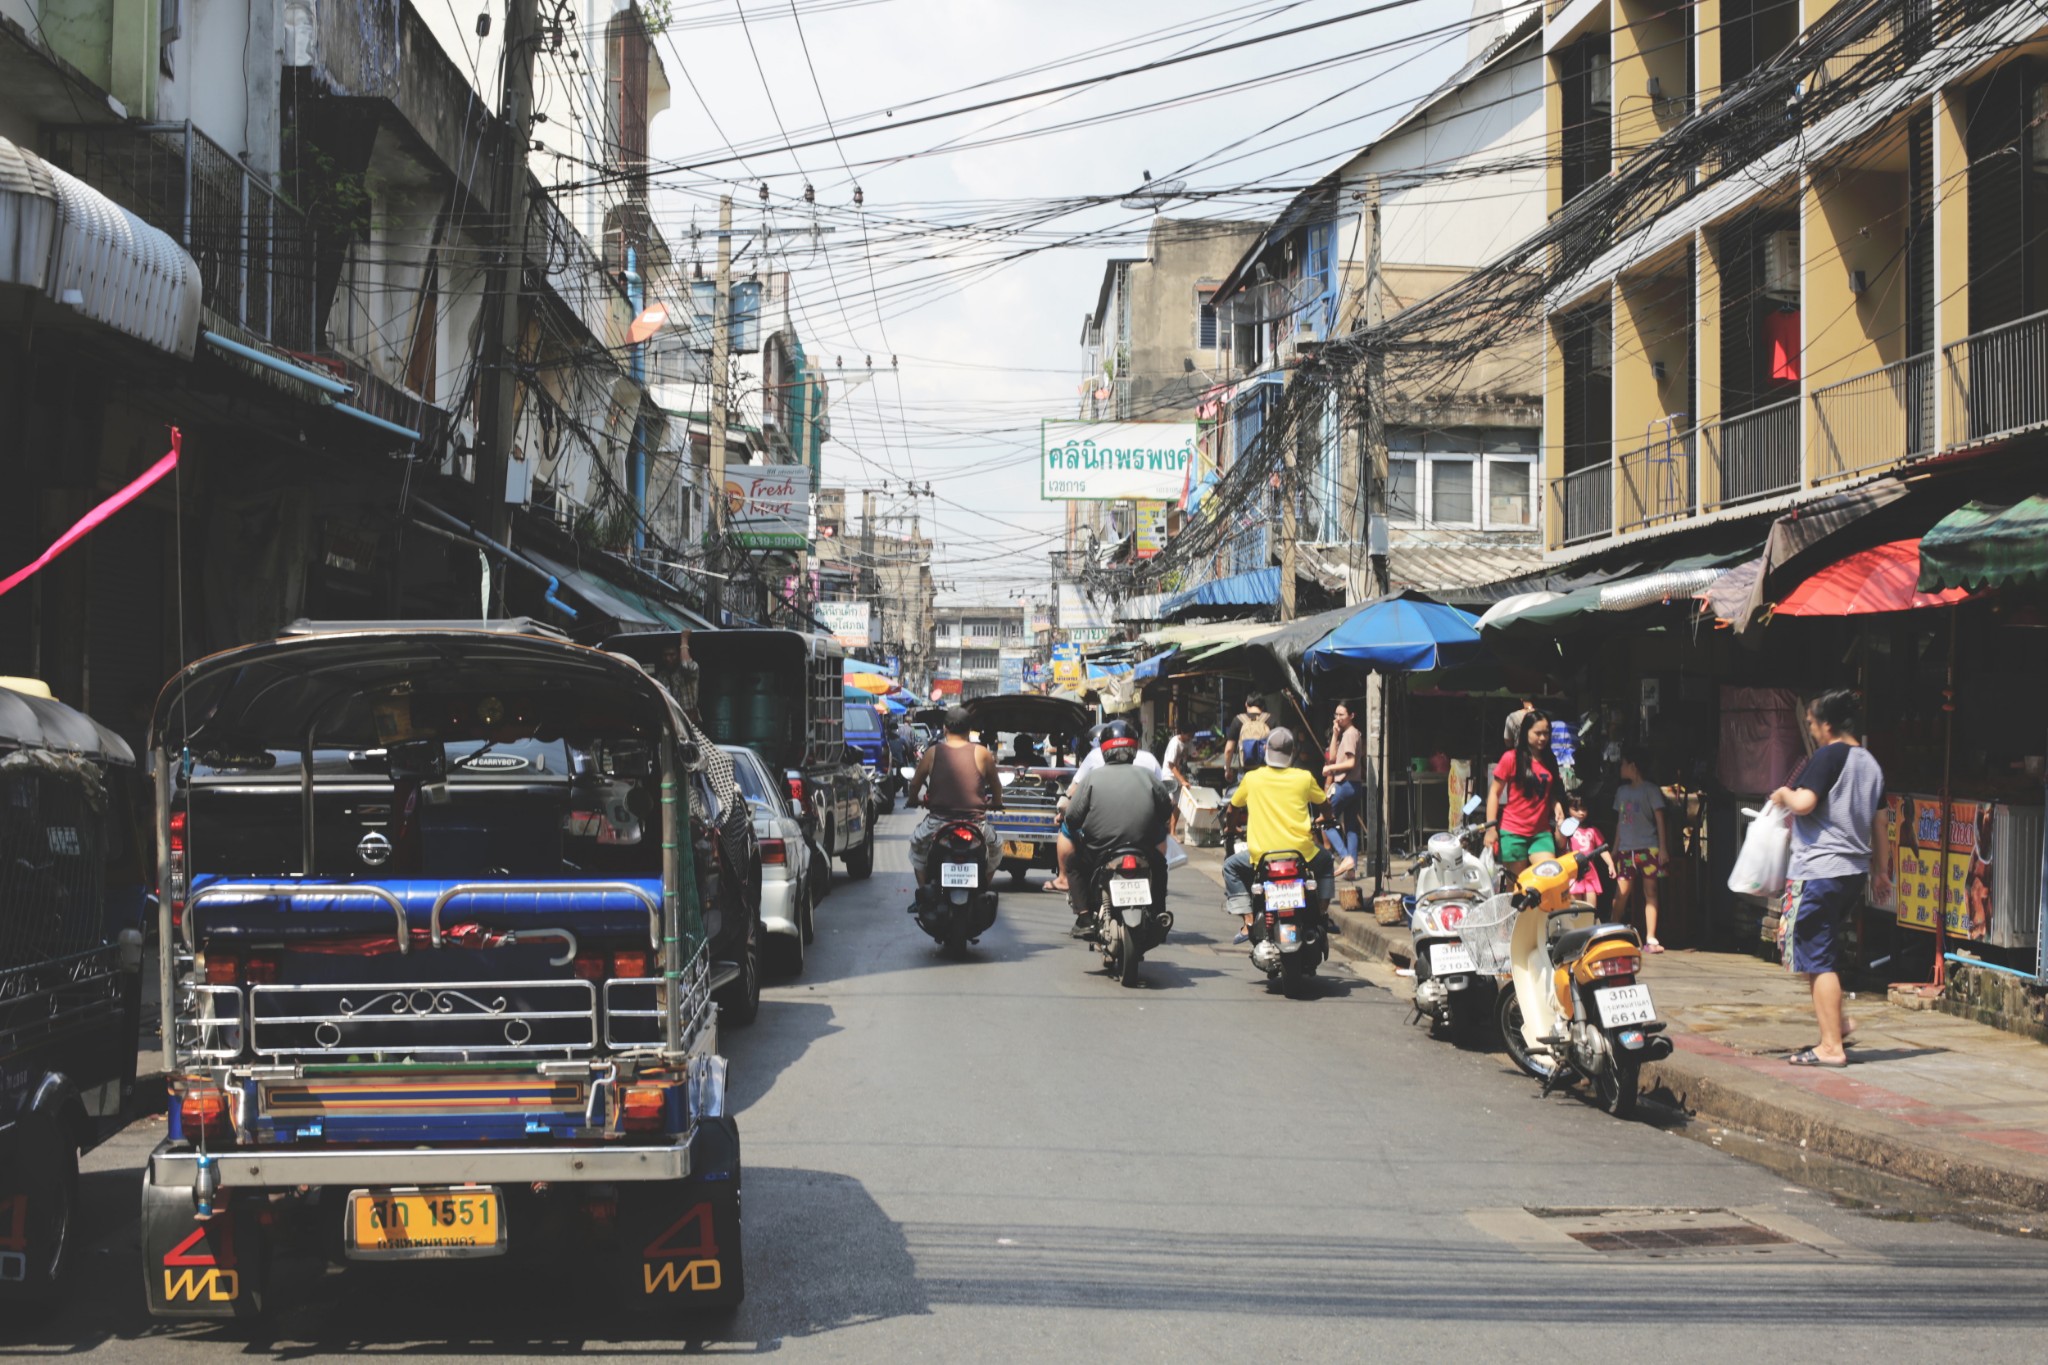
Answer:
(1573, 943)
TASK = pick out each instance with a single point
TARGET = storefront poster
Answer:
(1066, 665)
(1151, 532)
(1907, 856)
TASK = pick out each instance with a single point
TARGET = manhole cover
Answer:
(1679, 1239)
(1659, 1234)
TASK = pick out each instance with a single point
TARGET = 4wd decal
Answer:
(197, 1273)
(667, 1268)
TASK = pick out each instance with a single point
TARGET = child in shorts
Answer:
(1590, 847)
(1639, 841)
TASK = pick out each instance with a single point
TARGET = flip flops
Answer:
(1808, 1057)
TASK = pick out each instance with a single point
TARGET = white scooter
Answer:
(1459, 951)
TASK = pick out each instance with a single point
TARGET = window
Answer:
(1403, 492)
(1208, 336)
(981, 630)
(1451, 501)
(1509, 492)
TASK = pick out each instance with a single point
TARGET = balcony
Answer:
(255, 251)
(1583, 503)
(1750, 456)
(1997, 382)
(1657, 481)
(1874, 420)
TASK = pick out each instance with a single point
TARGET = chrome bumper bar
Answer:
(375, 1166)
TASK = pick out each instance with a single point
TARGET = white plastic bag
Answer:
(1766, 854)
(1176, 856)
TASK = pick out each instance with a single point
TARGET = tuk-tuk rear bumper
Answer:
(381, 1166)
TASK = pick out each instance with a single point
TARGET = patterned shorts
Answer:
(1634, 862)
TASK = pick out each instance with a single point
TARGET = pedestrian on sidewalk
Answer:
(1522, 798)
(1589, 846)
(1175, 763)
(1342, 779)
(1833, 799)
(1641, 836)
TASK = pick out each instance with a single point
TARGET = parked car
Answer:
(788, 903)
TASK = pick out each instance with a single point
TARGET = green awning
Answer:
(1985, 545)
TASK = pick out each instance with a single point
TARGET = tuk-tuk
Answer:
(443, 991)
(71, 907)
(1028, 824)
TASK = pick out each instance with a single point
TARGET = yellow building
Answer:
(1821, 252)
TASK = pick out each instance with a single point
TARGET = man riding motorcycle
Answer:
(1119, 805)
(957, 782)
(1279, 801)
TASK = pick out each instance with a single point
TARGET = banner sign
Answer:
(1066, 665)
(1077, 611)
(1905, 864)
(1151, 533)
(847, 621)
(1115, 461)
(769, 505)
(1010, 673)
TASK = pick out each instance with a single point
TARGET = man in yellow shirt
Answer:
(1278, 800)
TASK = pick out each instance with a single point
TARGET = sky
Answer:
(970, 265)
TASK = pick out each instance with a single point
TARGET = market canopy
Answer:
(1882, 578)
(1984, 545)
(1407, 633)
(863, 666)
(1259, 588)
(870, 682)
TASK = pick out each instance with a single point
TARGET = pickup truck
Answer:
(779, 693)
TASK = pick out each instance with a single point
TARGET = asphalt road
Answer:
(1011, 1157)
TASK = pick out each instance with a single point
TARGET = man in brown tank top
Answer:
(957, 780)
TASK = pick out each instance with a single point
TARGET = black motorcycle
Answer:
(1288, 937)
(957, 903)
(1128, 893)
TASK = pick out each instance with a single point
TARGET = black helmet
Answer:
(1119, 742)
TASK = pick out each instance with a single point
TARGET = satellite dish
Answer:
(1154, 194)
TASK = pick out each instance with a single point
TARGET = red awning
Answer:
(1881, 578)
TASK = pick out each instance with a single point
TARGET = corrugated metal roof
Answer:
(1438, 569)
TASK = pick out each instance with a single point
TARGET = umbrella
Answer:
(870, 682)
(1406, 634)
(1882, 578)
(857, 694)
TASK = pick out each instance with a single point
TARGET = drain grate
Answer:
(1694, 1236)
(1681, 1238)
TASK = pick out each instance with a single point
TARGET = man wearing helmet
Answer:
(1119, 805)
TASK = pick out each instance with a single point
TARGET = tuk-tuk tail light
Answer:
(226, 967)
(203, 1111)
(644, 1108)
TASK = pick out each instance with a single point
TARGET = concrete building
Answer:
(972, 641)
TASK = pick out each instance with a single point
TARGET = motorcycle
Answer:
(1576, 1011)
(1459, 932)
(957, 903)
(1131, 918)
(1288, 937)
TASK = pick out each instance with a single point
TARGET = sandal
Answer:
(1808, 1057)
(1653, 947)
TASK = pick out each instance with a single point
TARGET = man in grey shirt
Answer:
(1120, 805)
(1833, 800)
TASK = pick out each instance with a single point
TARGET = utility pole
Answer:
(867, 556)
(721, 359)
(502, 326)
(1288, 530)
(1375, 405)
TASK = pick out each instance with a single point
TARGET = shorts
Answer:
(1822, 909)
(1515, 848)
(1632, 863)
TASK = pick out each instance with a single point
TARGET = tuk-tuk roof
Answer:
(273, 693)
(1030, 711)
(28, 721)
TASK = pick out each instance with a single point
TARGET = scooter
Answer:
(1288, 937)
(1131, 917)
(957, 903)
(1576, 1011)
(1458, 931)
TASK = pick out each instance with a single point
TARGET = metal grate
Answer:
(1680, 1238)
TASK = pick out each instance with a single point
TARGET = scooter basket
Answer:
(1489, 931)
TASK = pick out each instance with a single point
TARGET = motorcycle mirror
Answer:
(1471, 804)
(1568, 826)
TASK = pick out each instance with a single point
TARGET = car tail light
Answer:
(643, 1108)
(225, 967)
(1283, 867)
(174, 878)
(204, 1113)
(1130, 862)
(1617, 966)
(773, 853)
(796, 790)
(588, 967)
(632, 966)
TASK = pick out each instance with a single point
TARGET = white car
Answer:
(788, 901)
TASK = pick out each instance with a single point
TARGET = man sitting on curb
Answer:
(1279, 800)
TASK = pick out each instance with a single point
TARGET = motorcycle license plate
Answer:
(1450, 959)
(1023, 851)
(1286, 895)
(425, 1223)
(959, 874)
(1621, 1005)
(1129, 891)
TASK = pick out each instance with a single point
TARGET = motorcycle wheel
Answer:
(1618, 1085)
(1510, 1015)
(1128, 956)
(1297, 982)
(955, 945)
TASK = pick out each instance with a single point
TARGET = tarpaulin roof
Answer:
(1882, 578)
(1544, 614)
(1796, 535)
(1984, 545)
(1258, 588)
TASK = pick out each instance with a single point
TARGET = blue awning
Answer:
(1150, 667)
(863, 666)
(1259, 588)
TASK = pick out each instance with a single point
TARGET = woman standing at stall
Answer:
(1343, 779)
(1522, 798)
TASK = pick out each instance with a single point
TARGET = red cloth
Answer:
(1781, 335)
(1528, 803)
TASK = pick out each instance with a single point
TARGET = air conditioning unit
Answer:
(1781, 263)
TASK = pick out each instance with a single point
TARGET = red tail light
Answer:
(1130, 862)
(205, 1111)
(773, 853)
(588, 967)
(174, 878)
(1283, 867)
(643, 1107)
(796, 790)
(226, 967)
(1618, 966)
(961, 834)
(632, 966)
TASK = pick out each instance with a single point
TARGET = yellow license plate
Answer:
(1017, 850)
(401, 1224)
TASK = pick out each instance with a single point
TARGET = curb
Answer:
(1710, 1081)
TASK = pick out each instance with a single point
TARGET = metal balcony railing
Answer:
(1751, 455)
(1583, 503)
(1657, 480)
(1874, 420)
(1997, 381)
(255, 251)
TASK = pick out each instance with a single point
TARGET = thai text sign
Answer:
(1066, 665)
(769, 505)
(1906, 864)
(1113, 461)
(1151, 534)
(847, 622)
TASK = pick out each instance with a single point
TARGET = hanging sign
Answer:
(846, 621)
(1151, 533)
(769, 505)
(1066, 665)
(1115, 461)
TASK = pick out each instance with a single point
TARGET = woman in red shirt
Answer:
(1525, 781)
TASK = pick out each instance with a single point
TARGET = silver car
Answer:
(787, 898)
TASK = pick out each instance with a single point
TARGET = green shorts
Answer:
(1516, 848)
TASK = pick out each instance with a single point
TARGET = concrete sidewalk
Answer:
(1929, 1096)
